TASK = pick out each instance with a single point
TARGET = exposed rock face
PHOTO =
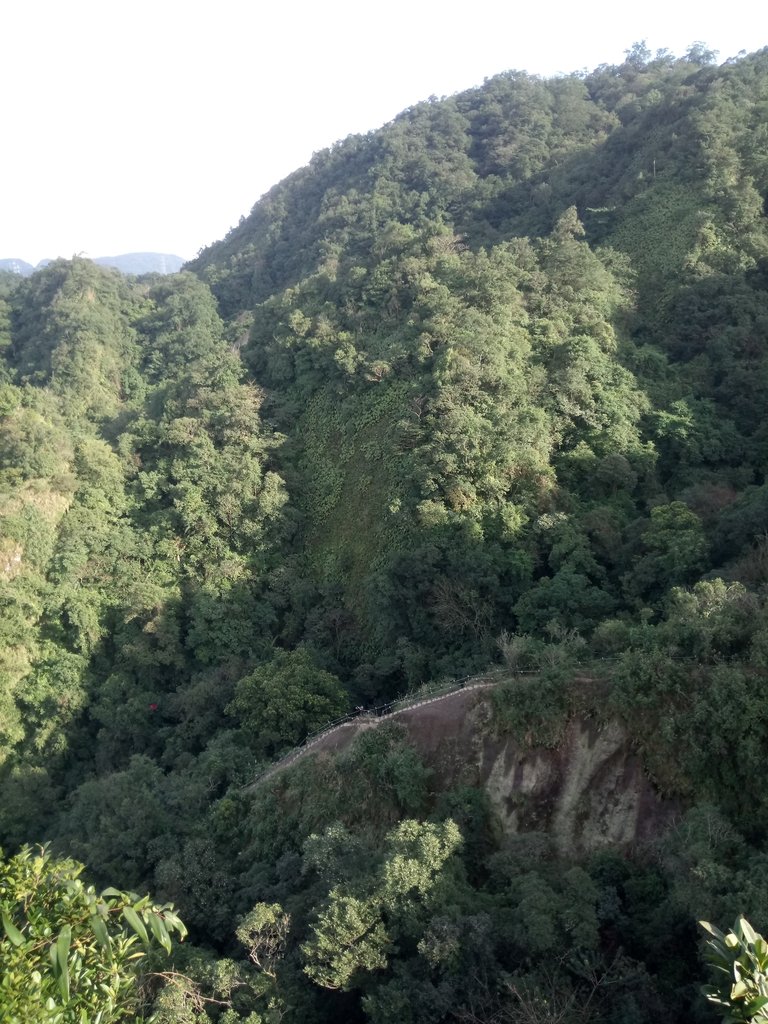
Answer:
(11, 555)
(588, 793)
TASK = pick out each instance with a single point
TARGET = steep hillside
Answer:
(486, 385)
(500, 330)
(586, 790)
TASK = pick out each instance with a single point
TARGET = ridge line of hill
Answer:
(372, 717)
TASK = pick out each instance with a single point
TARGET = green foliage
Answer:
(263, 932)
(383, 767)
(284, 700)
(742, 955)
(68, 953)
(675, 550)
(533, 709)
(350, 936)
(74, 332)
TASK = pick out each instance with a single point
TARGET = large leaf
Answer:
(63, 943)
(174, 922)
(99, 929)
(739, 990)
(13, 933)
(136, 923)
(747, 932)
(160, 931)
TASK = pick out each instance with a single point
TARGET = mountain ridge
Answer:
(127, 263)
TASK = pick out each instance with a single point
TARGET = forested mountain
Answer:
(483, 386)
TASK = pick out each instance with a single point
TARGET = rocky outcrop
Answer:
(11, 556)
(587, 792)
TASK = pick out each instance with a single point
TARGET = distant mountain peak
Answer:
(17, 267)
(126, 263)
(142, 262)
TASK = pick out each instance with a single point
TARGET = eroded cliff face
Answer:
(587, 792)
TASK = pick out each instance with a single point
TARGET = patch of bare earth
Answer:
(588, 792)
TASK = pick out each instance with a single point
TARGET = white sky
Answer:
(152, 125)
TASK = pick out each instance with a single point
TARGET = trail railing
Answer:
(424, 695)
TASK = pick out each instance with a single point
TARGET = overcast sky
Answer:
(153, 125)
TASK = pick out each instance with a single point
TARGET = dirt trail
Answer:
(587, 791)
(339, 737)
